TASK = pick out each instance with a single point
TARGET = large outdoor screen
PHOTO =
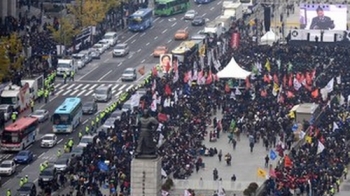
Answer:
(323, 17)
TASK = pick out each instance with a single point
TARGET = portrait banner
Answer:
(166, 62)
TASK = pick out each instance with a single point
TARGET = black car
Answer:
(198, 21)
(90, 107)
(47, 177)
(28, 189)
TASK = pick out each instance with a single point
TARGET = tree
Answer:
(66, 32)
(4, 61)
(89, 12)
(13, 51)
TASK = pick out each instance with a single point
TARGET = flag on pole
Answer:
(261, 173)
(268, 65)
(320, 147)
(273, 155)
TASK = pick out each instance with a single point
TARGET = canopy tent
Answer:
(269, 38)
(233, 70)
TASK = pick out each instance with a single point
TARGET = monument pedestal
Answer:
(146, 177)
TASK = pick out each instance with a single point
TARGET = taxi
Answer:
(160, 50)
(181, 34)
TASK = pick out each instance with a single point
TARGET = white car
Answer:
(190, 14)
(8, 167)
(62, 162)
(105, 43)
(100, 47)
(111, 37)
(85, 140)
(48, 140)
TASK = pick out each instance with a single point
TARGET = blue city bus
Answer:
(67, 116)
(141, 20)
(203, 1)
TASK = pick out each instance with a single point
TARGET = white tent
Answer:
(269, 38)
(233, 70)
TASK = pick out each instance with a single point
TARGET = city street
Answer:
(106, 71)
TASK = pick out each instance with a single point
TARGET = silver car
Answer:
(105, 43)
(88, 55)
(190, 14)
(109, 123)
(95, 54)
(120, 50)
(62, 163)
(80, 60)
(129, 74)
(42, 115)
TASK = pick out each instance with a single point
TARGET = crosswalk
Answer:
(87, 89)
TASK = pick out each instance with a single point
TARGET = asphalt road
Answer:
(106, 71)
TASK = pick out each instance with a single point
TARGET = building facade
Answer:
(8, 8)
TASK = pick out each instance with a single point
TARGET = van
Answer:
(86, 140)
(65, 66)
(7, 111)
(103, 93)
(111, 37)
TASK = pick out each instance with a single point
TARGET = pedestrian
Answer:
(215, 174)
(220, 155)
(14, 117)
(267, 159)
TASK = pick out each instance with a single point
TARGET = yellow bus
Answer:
(185, 49)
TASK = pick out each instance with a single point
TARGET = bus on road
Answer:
(171, 7)
(141, 20)
(20, 134)
(67, 116)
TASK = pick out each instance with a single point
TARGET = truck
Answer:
(35, 84)
(16, 96)
(233, 10)
(225, 22)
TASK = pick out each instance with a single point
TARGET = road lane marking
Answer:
(25, 168)
(131, 86)
(81, 92)
(199, 5)
(164, 31)
(59, 141)
(75, 91)
(119, 64)
(185, 28)
(151, 54)
(155, 19)
(156, 37)
(152, 27)
(89, 92)
(105, 61)
(59, 92)
(104, 75)
(88, 73)
(212, 8)
(204, 14)
(78, 86)
(66, 92)
(131, 37)
(120, 92)
(93, 86)
(169, 40)
(161, 20)
(218, 3)
(122, 87)
(139, 50)
(133, 41)
(143, 60)
(115, 86)
(147, 44)
(142, 34)
(35, 180)
(174, 24)
(41, 155)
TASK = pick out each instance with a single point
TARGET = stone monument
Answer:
(146, 166)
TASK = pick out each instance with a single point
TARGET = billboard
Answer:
(166, 62)
(323, 17)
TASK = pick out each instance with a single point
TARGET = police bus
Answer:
(20, 134)
(68, 115)
(141, 20)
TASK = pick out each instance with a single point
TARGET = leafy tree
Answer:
(13, 51)
(110, 4)
(66, 32)
(4, 61)
(89, 12)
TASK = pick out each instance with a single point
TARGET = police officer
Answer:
(41, 167)
(92, 125)
(72, 75)
(59, 153)
(46, 95)
(25, 179)
(64, 77)
(21, 182)
(80, 134)
(14, 116)
(70, 144)
(32, 103)
(87, 130)
(66, 147)
(46, 164)
(8, 192)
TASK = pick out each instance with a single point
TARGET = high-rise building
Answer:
(8, 8)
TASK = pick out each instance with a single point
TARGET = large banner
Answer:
(322, 36)
(166, 62)
(235, 40)
(323, 17)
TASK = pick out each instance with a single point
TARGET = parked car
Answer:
(77, 151)
(181, 34)
(8, 167)
(120, 50)
(129, 74)
(198, 21)
(100, 47)
(109, 123)
(90, 107)
(24, 156)
(42, 115)
(105, 43)
(103, 93)
(127, 107)
(88, 54)
(190, 14)
(62, 163)
(7, 110)
(48, 140)
(86, 139)
(47, 177)
(95, 53)
(80, 60)
(118, 114)
(27, 189)
(160, 50)
(111, 37)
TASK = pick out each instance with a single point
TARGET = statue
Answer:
(146, 147)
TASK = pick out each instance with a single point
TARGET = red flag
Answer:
(315, 93)
(275, 79)
(272, 173)
(287, 161)
(247, 83)
(209, 78)
(167, 90)
(290, 94)
(186, 77)
(267, 78)
(263, 93)
(162, 117)
(285, 80)
(290, 80)
(300, 77)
